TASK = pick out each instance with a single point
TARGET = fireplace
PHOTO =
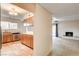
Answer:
(69, 34)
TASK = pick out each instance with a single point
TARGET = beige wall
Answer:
(42, 31)
(0, 38)
(70, 26)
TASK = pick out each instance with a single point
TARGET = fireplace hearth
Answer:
(69, 35)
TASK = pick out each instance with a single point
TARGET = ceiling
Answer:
(27, 6)
(14, 12)
(63, 11)
(60, 11)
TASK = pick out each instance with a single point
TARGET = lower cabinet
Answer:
(27, 40)
(7, 37)
(4, 39)
(16, 37)
(31, 43)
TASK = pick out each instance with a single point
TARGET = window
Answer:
(28, 26)
(4, 25)
(8, 25)
(13, 26)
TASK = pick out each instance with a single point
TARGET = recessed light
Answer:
(13, 13)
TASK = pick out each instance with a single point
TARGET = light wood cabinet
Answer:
(7, 37)
(4, 39)
(31, 42)
(10, 37)
(27, 40)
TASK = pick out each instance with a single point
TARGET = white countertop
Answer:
(29, 33)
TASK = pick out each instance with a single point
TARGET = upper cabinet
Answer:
(29, 20)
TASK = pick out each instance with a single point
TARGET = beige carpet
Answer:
(65, 47)
(15, 49)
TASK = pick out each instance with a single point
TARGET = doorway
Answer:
(17, 30)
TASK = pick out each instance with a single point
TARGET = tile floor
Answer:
(61, 47)
(15, 49)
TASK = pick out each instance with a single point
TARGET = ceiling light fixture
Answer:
(13, 12)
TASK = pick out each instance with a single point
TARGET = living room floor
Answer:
(65, 47)
(15, 49)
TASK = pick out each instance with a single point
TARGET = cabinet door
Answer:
(31, 43)
(13, 38)
(30, 40)
(4, 39)
(25, 40)
(9, 38)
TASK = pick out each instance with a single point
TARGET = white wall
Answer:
(63, 46)
(42, 31)
(69, 26)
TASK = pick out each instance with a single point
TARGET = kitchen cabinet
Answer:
(31, 43)
(16, 36)
(10, 37)
(27, 40)
(7, 37)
